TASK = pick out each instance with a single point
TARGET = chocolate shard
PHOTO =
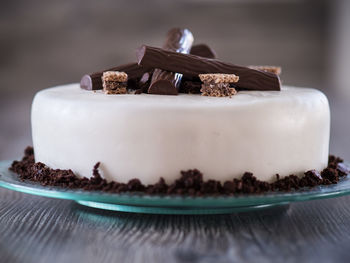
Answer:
(343, 169)
(190, 86)
(143, 83)
(93, 81)
(203, 50)
(165, 82)
(312, 178)
(193, 85)
(192, 66)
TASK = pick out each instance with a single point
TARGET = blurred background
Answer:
(47, 43)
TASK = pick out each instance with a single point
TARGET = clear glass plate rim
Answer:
(7, 180)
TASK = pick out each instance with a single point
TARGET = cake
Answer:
(151, 136)
(181, 121)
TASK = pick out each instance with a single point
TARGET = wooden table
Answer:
(36, 229)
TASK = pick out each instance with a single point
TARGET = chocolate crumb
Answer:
(342, 169)
(190, 182)
(330, 175)
(311, 178)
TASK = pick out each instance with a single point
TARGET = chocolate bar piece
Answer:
(203, 50)
(164, 82)
(218, 85)
(93, 81)
(193, 85)
(143, 83)
(188, 85)
(190, 65)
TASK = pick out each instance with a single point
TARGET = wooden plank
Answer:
(36, 229)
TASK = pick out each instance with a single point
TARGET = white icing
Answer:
(152, 136)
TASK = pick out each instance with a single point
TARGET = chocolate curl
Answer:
(94, 82)
(164, 82)
(192, 66)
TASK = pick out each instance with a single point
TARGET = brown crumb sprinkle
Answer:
(190, 182)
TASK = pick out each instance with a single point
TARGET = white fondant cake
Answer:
(152, 136)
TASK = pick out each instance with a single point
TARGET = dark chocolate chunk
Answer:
(93, 81)
(342, 169)
(334, 160)
(311, 178)
(330, 176)
(159, 188)
(165, 82)
(193, 85)
(287, 183)
(229, 187)
(190, 183)
(203, 50)
(192, 66)
(135, 185)
(144, 83)
(190, 86)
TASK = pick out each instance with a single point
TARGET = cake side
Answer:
(149, 136)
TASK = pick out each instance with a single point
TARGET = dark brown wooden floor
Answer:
(41, 230)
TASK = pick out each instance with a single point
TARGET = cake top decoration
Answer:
(178, 67)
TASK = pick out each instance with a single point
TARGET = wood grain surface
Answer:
(36, 229)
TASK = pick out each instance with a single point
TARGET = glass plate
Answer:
(157, 204)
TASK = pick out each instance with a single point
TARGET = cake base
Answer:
(150, 136)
